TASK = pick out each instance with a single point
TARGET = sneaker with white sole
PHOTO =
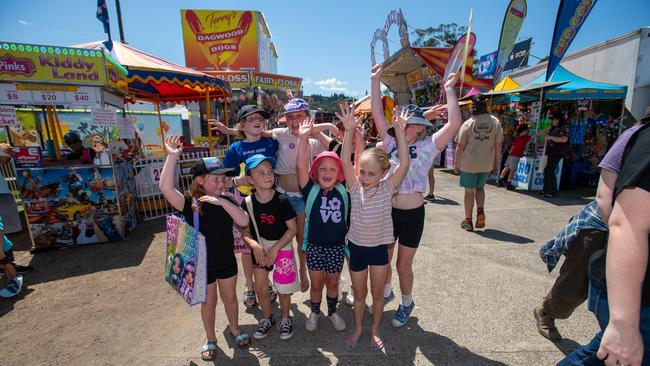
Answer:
(13, 288)
(311, 324)
(286, 329)
(264, 328)
(349, 298)
(402, 314)
(387, 300)
(337, 322)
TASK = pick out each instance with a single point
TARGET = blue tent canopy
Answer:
(579, 88)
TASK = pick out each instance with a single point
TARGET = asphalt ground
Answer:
(107, 304)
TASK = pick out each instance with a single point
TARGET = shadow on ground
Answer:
(504, 236)
(66, 262)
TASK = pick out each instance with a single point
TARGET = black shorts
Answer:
(9, 257)
(259, 266)
(408, 226)
(362, 257)
(222, 274)
(325, 258)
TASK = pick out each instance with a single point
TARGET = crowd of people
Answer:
(346, 202)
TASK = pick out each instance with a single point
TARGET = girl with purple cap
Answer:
(408, 203)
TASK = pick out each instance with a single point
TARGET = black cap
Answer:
(211, 165)
(247, 110)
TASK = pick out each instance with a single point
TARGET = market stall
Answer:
(156, 80)
(68, 201)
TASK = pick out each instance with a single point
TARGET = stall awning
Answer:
(507, 83)
(578, 88)
(151, 77)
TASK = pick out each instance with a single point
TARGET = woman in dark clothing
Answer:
(557, 144)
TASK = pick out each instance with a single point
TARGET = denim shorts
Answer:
(298, 204)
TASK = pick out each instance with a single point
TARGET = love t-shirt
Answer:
(327, 224)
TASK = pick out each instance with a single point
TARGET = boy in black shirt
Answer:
(270, 235)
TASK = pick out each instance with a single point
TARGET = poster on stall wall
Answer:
(24, 132)
(70, 206)
(28, 157)
(7, 115)
(127, 193)
(220, 39)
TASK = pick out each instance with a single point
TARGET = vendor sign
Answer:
(27, 157)
(220, 39)
(7, 115)
(236, 79)
(274, 81)
(103, 116)
(19, 62)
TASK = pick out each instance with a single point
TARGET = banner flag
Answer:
(570, 17)
(512, 22)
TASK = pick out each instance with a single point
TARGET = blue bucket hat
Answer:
(296, 105)
(417, 117)
(211, 165)
(254, 161)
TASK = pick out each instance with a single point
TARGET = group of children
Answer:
(337, 209)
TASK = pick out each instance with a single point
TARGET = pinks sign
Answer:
(13, 66)
(220, 39)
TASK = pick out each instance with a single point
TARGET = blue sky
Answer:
(327, 43)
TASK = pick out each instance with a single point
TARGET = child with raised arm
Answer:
(371, 229)
(326, 211)
(270, 235)
(217, 212)
(408, 203)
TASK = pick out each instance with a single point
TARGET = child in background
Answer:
(7, 263)
(270, 235)
(519, 143)
(217, 212)
(326, 203)
(371, 228)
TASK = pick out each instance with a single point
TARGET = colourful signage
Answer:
(236, 79)
(512, 22)
(19, 62)
(570, 17)
(273, 81)
(220, 39)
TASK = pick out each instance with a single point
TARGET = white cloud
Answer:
(307, 81)
(336, 86)
(24, 22)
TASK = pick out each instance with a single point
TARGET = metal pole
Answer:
(620, 124)
(119, 20)
(207, 116)
(160, 122)
(225, 115)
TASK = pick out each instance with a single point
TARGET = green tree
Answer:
(444, 35)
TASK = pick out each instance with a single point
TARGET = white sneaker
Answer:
(340, 298)
(349, 299)
(312, 322)
(337, 321)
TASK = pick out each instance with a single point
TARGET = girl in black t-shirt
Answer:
(216, 216)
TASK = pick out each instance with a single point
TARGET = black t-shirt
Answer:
(216, 225)
(635, 172)
(327, 224)
(271, 216)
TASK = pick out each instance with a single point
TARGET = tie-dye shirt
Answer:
(371, 223)
(422, 153)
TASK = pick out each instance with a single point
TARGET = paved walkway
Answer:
(474, 292)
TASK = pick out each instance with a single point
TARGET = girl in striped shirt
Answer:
(371, 227)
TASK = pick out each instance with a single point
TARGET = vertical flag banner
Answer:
(466, 50)
(220, 40)
(570, 17)
(102, 16)
(512, 22)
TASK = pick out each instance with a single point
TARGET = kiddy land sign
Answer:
(19, 62)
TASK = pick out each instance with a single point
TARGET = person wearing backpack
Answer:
(327, 204)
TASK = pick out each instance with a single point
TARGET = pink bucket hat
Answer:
(326, 154)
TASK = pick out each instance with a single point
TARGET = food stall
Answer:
(66, 202)
(156, 80)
